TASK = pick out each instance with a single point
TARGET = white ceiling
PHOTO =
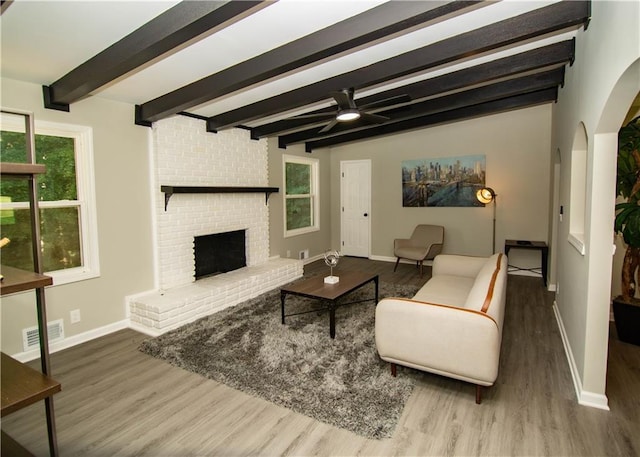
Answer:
(41, 41)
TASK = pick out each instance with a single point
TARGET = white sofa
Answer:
(453, 325)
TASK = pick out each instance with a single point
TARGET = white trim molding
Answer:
(74, 340)
(585, 398)
(577, 241)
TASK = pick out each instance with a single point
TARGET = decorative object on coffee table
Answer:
(331, 259)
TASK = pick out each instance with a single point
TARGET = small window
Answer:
(66, 198)
(301, 195)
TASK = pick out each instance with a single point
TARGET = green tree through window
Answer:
(300, 176)
(57, 193)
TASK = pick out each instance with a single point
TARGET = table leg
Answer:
(545, 256)
(282, 297)
(332, 319)
(376, 282)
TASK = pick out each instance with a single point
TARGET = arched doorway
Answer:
(618, 109)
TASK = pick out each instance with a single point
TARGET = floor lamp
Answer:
(487, 195)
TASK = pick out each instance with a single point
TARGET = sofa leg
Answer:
(397, 262)
(421, 268)
(394, 370)
(478, 394)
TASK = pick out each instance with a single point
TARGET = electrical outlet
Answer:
(75, 316)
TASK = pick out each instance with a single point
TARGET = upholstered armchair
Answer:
(425, 243)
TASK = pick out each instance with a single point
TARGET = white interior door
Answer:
(355, 200)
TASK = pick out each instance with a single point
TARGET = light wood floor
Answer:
(116, 401)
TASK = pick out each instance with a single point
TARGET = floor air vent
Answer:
(31, 339)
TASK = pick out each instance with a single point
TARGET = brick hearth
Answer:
(158, 312)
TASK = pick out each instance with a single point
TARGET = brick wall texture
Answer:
(185, 154)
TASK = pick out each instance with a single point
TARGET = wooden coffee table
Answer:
(329, 293)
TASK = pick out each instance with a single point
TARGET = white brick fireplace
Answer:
(185, 154)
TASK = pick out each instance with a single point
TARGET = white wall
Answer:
(599, 89)
(517, 149)
(121, 160)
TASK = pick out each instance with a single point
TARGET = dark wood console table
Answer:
(535, 245)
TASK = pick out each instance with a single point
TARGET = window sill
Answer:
(301, 231)
(71, 275)
(577, 241)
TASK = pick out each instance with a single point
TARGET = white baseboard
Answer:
(312, 259)
(594, 400)
(382, 258)
(585, 398)
(74, 340)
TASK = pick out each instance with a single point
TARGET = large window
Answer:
(301, 213)
(65, 196)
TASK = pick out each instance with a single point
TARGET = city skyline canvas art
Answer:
(443, 181)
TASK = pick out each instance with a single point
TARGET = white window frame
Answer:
(315, 194)
(86, 195)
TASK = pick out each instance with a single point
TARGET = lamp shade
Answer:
(485, 195)
(348, 115)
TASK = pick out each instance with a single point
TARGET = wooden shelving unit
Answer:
(21, 169)
(16, 280)
(22, 385)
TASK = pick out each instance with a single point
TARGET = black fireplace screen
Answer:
(219, 253)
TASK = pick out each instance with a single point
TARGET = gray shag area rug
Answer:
(341, 382)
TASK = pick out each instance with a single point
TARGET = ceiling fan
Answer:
(348, 110)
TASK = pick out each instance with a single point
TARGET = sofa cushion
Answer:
(482, 284)
(446, 290)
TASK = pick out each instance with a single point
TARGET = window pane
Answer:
(298, 178)
(298, 213)
(59, 227)
(57, 153)
(16, 225)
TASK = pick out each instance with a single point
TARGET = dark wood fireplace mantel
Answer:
(170, 190)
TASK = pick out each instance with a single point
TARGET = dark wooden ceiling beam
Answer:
(549, 19)
(547, 56)
(181, 23)
(375, 24)
(491, 92)
(4, 4)
(483, 109)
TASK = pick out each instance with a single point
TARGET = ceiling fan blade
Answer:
(374, 118)
(329, 126)
(387, 102)
(344, 98)
(314, 115)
